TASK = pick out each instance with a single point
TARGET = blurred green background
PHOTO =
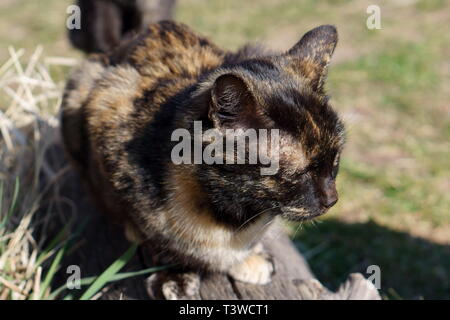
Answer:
(391, 87)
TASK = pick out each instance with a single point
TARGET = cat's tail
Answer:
(105, 23)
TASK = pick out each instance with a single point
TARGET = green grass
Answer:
(391, 87)
(231, 23)
(430, 5)
(96, 284)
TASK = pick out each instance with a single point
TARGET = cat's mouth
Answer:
(301, 214)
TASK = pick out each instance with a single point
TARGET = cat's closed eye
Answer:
(336, 165)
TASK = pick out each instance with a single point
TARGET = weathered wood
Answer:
(292, 280)
(355, 288)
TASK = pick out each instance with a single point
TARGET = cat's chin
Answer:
(300, 214)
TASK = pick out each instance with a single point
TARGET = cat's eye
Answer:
(335, 166)
(336, 160)
(310, 170)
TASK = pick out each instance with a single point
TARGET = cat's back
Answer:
(169, 49)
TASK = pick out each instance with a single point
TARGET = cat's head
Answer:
(283, 92)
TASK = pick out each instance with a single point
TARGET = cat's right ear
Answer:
(230, 97)
(312, 54)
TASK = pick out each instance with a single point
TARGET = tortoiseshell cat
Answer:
(119, 112)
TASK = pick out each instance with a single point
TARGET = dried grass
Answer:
(35, 218)
(31, 170)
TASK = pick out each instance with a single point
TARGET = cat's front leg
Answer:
(257, 268)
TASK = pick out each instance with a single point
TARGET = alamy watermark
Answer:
(231, 146)
(374, 20)
(375, 275)
(74, 280)
(73, 21)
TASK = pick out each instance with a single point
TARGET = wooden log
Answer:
(292, 280)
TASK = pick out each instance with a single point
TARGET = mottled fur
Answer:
(120, 110)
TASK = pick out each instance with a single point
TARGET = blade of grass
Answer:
(13, 203)
(126, 275)
(55, 264)
(117, 277)
(68, 297)
(109, 273)
(59, 238)
(51, 272)
(1, 197)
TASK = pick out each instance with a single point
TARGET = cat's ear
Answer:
(230, 97)
(312, 54)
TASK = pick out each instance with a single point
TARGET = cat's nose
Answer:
(329, 194)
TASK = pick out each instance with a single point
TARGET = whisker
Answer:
(257, 234)
(253, 217)
(298, 228)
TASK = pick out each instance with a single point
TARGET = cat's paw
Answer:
(256, 269)
(174, 286)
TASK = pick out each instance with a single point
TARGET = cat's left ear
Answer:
(312, 54)
(230, 99)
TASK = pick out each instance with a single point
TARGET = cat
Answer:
(120, 109)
